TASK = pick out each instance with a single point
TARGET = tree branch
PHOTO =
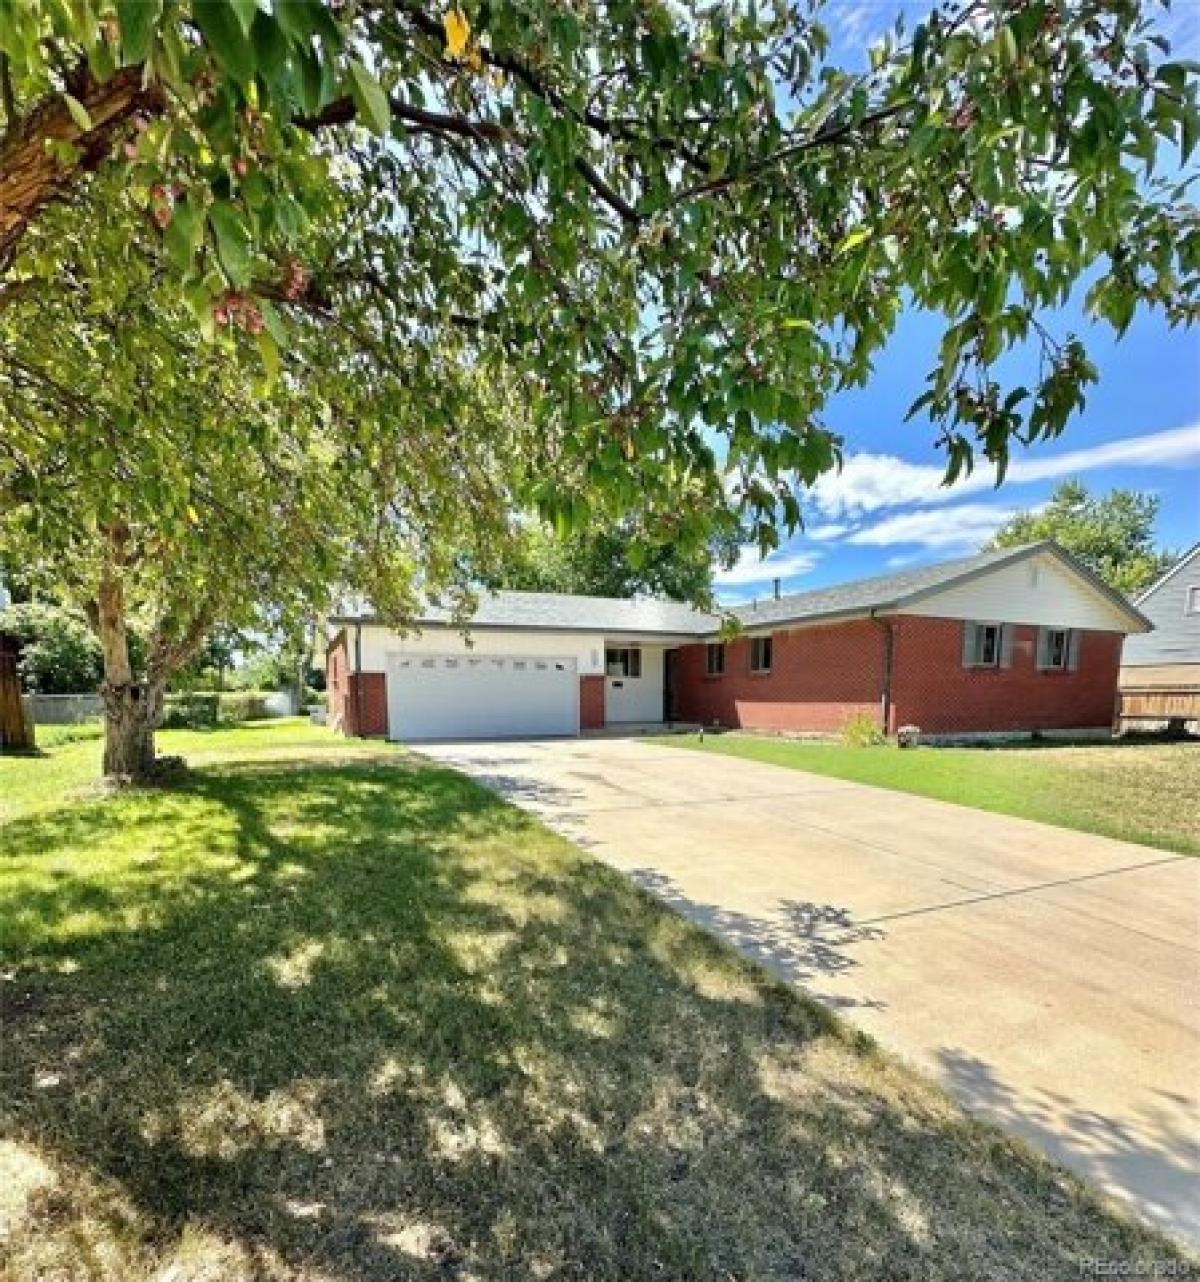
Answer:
(32, 175)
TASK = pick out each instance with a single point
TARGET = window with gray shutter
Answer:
(1053, 649)
(982, 645)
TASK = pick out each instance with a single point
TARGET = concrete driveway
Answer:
(1048, 978)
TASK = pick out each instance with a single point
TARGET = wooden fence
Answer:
(1159, 705)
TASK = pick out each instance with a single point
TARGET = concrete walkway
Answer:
(1048, 978)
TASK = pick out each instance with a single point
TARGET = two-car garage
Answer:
(481, 696)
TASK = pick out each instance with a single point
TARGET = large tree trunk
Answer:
(129, 729)
(131, 708)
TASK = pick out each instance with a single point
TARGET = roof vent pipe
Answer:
(776, 582)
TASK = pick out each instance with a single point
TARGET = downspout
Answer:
(889, 653)
(358, 721)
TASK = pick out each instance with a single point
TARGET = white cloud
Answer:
(965, 526)
(779, 565)
(870, 482)
(826, 532)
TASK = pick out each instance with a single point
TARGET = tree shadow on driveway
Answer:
(803, 943)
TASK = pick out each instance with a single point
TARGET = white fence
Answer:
(62, 709)
(71, 709)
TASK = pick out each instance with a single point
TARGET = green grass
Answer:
(325, 1011)
(1144, 792)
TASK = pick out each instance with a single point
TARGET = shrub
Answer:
(203, 709)
(195, 710)
(862, 731)
(242, 705)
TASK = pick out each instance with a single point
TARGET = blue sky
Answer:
(1140, 428)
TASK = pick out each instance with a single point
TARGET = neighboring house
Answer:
(1020, 639)
(1160, 672)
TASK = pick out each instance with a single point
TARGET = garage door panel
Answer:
(481, 696)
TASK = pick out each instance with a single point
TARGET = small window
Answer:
(981, 645)
(714, 659)
(1054, 648)
(623, 662)
(1193, 599)
(760, 654)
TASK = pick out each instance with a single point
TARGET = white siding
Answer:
(378, 643)
(1176, 635)
(629, 699)
(1039, 590)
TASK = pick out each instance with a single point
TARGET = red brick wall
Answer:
(374, 705)
(822, 676)
(932, 689)
(343, 697)
(591, 702)
(819, 677)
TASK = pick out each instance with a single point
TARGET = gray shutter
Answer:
(1006, 644)
(1043, 636)
(969, 650)
(1073, 639)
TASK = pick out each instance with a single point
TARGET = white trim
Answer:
(1186, 559)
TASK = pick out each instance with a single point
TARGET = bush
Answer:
(862, 731)
(242, 705)
(195, 710)
(204, 709)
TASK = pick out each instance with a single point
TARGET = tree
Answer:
(414, 271)
(155, 485)
(1112, 534)
(615, 561)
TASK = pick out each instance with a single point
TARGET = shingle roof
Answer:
(560, 612)
(556, 611)
(886, 591)
(874, 593)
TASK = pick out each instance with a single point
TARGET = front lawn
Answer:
(1136, 791)
(328, 1012)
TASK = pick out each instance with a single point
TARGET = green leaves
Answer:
(221, 25)
(137, 20)
(369, 99)
(234, 243)
(669, 237)
(185, 233)
(79, 113)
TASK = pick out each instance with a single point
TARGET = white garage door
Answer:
(434, 696)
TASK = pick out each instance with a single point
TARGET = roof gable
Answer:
(908, 589)
(1184, 561)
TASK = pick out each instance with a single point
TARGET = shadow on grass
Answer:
(371, 1023)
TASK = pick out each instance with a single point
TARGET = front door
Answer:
(634, 683)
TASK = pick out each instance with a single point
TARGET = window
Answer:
(981, 645)
(714, 659)
(624, 662)
(1054, 647)
(1057, 649)
(1193, 599)
(760, 654)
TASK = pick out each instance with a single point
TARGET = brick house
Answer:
(1016, 640)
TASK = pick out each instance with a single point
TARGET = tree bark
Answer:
(31, 175)
(131, 709)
